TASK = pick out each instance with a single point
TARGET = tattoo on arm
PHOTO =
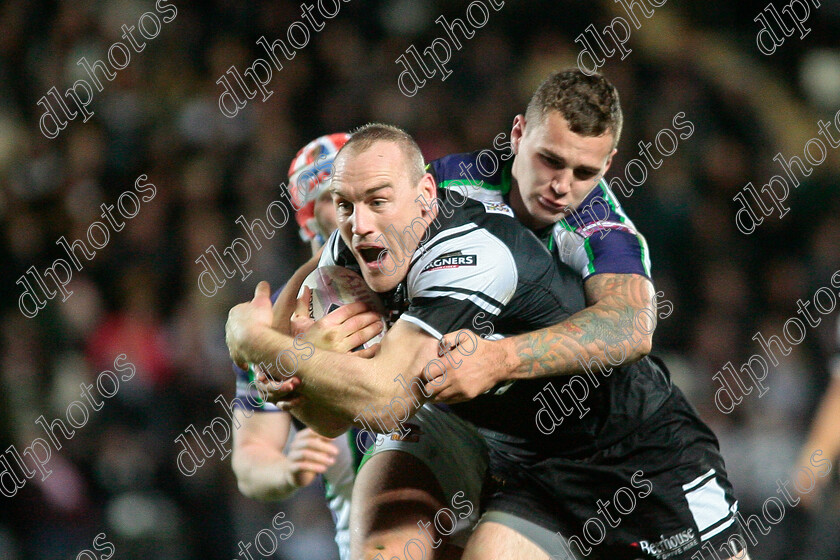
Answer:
(615, 328)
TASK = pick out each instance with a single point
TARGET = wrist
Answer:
(259, 342)
(508, 360)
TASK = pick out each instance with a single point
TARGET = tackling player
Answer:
(561, 149)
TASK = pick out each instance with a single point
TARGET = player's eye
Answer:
(551, 162)
(344, 206)
(378, 202)
(585, 174)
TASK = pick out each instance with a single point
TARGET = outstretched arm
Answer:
(263, 470)
(341, 385)
(616, 327)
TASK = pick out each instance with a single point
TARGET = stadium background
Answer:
(160, 117)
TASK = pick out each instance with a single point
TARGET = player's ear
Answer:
(427, 190)
(609, 161)
(517, 132)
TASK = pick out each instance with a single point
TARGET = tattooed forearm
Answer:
(604, 324)
(616, 328)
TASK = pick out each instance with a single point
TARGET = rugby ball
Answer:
(335, 286)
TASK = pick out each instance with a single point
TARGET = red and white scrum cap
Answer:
(309, 175)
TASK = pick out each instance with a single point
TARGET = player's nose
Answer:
(561, 183)
(363, 223)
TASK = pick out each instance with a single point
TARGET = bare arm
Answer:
(620, 319)
(262, 470)
(339, 384)
(258, 460)
(822, 447)
(825, 431)
(339, 391)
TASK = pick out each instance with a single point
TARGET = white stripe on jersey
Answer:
(484, 304)
(569, 246)
(606, 225)
(619, 209)
(330, 253)
(708, 506)
(442, 234)
(423, 325)
(493, 274)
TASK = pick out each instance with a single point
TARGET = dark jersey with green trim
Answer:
(596, 238)
(477, 266)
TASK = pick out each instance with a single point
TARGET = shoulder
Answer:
(465, 256)
(600, 209)
(449, 168)
(459, 215)
(480, 171)
(599, 237)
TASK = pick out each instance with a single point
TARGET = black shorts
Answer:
(661, 492)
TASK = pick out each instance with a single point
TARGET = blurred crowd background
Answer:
(160, 117)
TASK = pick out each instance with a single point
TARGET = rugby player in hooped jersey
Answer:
(544, 484)
(263, 471)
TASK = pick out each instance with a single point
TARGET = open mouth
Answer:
(371, 254)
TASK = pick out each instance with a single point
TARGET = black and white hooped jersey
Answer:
(478, 268)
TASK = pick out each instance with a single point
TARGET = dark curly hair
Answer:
(589, 103)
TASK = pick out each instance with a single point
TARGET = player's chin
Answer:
(381, 276)
(381, 283)
(544, 214)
